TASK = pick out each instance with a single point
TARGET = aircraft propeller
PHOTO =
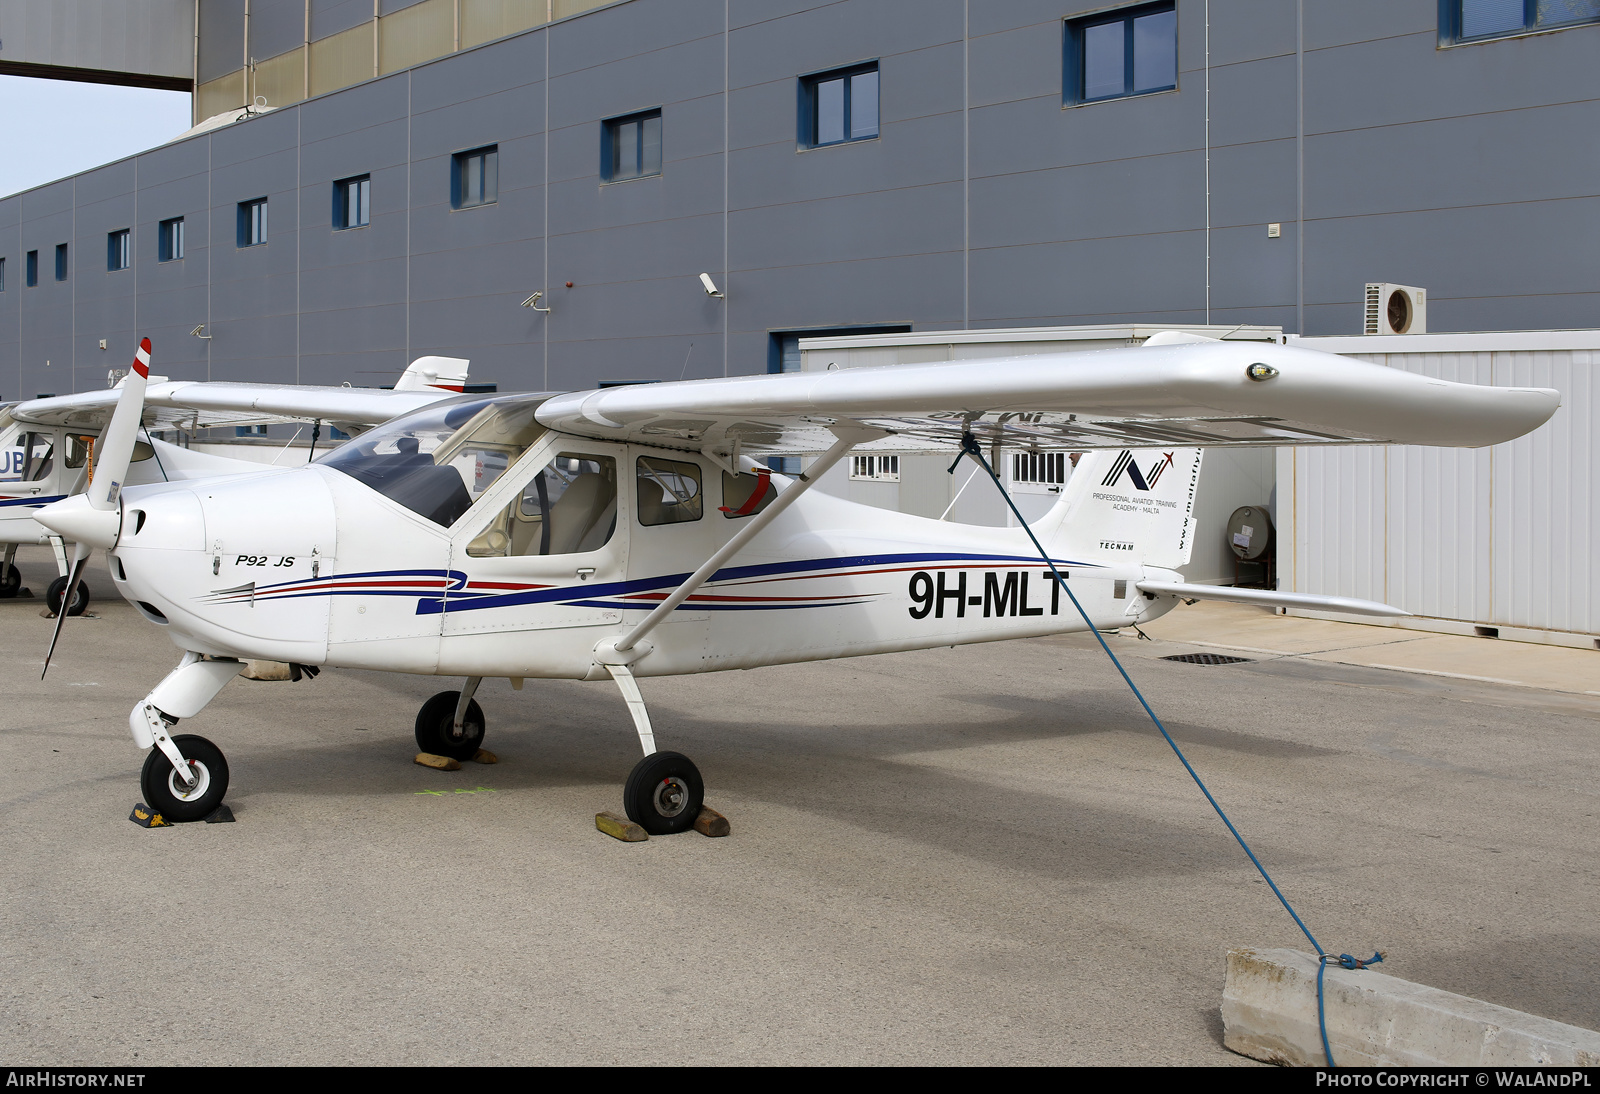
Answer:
(94, 518)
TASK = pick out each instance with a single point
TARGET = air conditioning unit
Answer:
(1396, 309)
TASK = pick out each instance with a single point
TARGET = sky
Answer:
(52, 128)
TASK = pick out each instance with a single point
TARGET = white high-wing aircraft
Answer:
(47, 445)
(627, 532)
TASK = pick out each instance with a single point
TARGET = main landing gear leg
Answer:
(664, 790)
(185, 776)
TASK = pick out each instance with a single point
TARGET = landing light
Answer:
(1260, 371)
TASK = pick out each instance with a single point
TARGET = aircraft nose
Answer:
(162, 543)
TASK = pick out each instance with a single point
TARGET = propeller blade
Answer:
(80, 554)
(94, 517)
(115, 450)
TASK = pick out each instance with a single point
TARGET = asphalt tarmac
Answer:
(961, 856)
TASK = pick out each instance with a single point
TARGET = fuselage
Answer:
(570, 541)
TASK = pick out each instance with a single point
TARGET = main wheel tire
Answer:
(169, 797)
(10, 581)
(436, 727)
(664, 793)
(58, 589)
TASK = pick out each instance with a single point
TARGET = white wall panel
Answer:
(1438, 551)
(1546, 523)
(1503, 536)
(1340, 535)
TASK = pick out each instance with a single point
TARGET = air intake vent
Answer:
(1209, 659)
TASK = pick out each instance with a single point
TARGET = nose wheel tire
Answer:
(10, 581)
(58, 589)
(436, 727)
(167, 794)
(664, 793)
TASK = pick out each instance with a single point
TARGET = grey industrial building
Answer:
(1293, 153)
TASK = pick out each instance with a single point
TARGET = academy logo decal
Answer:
(1142, 480)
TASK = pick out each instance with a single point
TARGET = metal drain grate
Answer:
(1209, 659)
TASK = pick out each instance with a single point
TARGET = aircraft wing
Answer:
(193, 404)
(1189, 395)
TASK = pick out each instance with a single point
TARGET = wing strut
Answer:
(614, 651)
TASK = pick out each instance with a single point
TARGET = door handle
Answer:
(585, 573)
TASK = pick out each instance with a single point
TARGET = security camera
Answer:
(710, 286)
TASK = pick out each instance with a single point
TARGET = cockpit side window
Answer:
(39, 452)
(79, 448)
(439, 460)
(669, 491)
(29, 458)
(568, 507)
(16, 456)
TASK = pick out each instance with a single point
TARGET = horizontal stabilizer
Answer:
(1271, 598)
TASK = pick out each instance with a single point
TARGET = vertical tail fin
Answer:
(1132, 505)
(441, 373)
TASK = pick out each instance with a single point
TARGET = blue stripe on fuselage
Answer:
(731, 573)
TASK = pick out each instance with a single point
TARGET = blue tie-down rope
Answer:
(969, 446)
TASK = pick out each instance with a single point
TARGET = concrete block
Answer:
(1269, 1012)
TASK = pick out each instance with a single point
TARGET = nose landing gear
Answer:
(185, 776)
(166, 792)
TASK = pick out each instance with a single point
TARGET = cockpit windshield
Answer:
(439, 460)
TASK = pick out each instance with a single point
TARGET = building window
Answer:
(169, 240)
(119, 251)
(475, 177)
(631, 146)
(253, 222)
(1474, 20)
(839, 106)
(875, 468)
(1133, 51)
(1039, 472)
(352, 202)
(33, 269)
(2, 275)
(61, 261)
